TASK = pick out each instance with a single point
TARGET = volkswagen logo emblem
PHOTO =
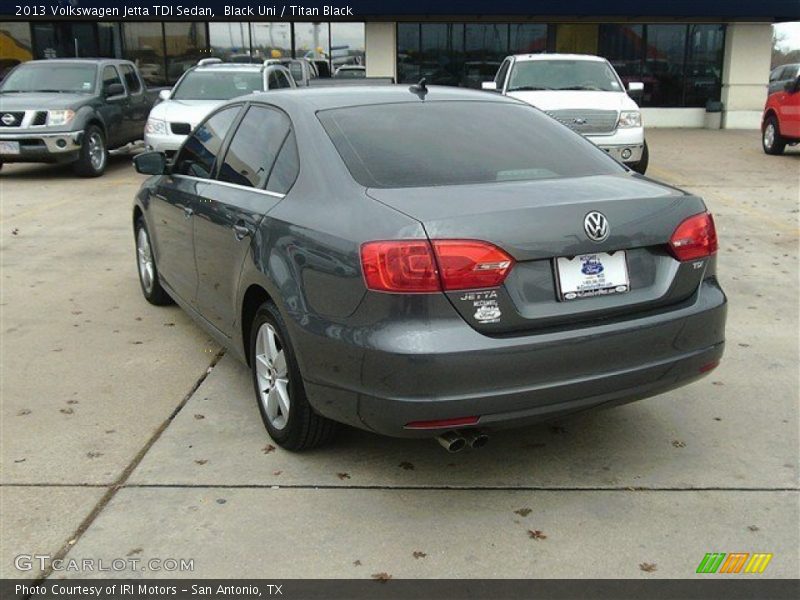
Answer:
(8, 119)
(579, 121)
(596, 226)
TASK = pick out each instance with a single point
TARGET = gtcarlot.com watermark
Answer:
(43, 562)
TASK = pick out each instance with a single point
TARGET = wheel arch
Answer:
(254, 296)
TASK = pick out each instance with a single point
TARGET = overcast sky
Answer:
(792, 32)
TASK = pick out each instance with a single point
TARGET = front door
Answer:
(176, 202)
(259, 160)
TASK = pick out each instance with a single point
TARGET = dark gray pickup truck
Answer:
(72, 111)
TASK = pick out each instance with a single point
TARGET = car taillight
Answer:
(416, 266)
(695, 237)
(469, 265)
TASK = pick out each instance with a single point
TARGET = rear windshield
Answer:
(218, 85)
(451, 143)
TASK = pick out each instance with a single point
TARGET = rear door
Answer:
(253, 177)
(138, 107)
(177, 198)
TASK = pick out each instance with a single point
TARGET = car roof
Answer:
(547, 56)
(230, 67)
(329, 97)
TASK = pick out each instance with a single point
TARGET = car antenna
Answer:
(420, 89)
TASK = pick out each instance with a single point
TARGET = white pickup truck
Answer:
(584, 93)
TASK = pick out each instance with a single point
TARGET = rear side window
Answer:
(287, 167)
(450, 143)
(254, 147)
(198, 154)
(131, 79)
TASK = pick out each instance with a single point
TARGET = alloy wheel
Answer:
(272, 376)
(145, 260)
(97, 153)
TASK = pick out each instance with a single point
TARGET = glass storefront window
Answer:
(15, 45)
(527, 38)
(703, 74)
(623, 46)
(109, 40)
(663, 66)
(408, 52)
(143, 44)
(348, 44)
(311, 40)
(185, 44)
(64, 39)
(442, 53)
(230, 41)
(485, 47)
(271, 40)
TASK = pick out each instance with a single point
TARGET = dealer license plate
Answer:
(9, 147)
(589, 275)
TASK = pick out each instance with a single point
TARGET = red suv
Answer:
(780, 124)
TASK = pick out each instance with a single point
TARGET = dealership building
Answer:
(690, 55)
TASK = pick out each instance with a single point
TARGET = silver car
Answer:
(202, 89)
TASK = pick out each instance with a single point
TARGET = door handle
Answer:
(187, 212)
(241, 231)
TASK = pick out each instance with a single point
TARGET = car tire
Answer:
(93, 157)
(146, 267)
(280, 395)
(771, 139)
(641, 166)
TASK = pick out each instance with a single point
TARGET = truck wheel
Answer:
(94, 155)
(771, 139)
(278, 385)
(148, 271)
(641, 166)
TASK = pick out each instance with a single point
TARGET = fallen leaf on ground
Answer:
(647, 567)
(753, 527)
(276, 473)
(523, 512)
(678, 444)
(201, 461)
(356, 563)
(419, 554)
(535, 534)
(135, 551)
(343, 476)
(94, 454)
(406, 465)
(268, 448)
(382, 577)
(199, 417)
(23, 412)
(66, 411)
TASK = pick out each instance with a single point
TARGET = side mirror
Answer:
(164, 94)
(150, 163)
(489, 86)
(635, 87)
(115, 89)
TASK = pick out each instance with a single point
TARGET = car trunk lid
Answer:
(536, 222)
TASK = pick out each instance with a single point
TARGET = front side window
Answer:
(51, 77)
(255, 145)
(217, 85)
(110, 77)
(592, 75)
(198, 154)
(451, 143)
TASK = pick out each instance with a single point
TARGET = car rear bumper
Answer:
(383, 378)
(43, 147)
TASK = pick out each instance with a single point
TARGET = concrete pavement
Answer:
(92, 377)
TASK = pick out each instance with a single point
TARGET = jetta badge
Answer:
(596, 226)
(8, 119)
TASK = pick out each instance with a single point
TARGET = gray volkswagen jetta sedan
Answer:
(426, 262)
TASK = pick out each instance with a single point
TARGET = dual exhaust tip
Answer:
(456, 441)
